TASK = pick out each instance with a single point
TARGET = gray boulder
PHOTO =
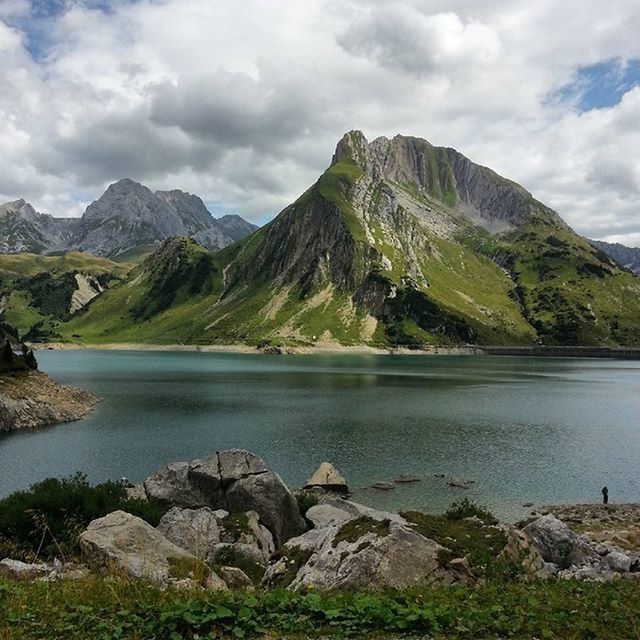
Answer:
(171, 486)
(389, 555)
(194, 530)
(556, 543)
(617, 561)
(234, 480)
(130, 545)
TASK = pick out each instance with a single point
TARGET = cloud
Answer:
(401, 37)
(243, 102)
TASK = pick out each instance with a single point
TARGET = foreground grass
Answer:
(106, 608)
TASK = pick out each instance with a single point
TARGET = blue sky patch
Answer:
(36, 25)
(601, 85)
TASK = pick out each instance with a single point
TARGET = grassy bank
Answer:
(105, 608)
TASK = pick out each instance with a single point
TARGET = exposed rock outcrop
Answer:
(127, 543)
(234, 480)
(32, 399)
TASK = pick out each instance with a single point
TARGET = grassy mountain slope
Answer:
(397, 243)
(37, 292)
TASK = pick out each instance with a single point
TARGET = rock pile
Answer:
(229, 522)
(233, 480)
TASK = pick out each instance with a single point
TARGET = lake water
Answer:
(524, 429)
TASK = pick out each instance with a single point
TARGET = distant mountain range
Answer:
(399, 242)
(628, 257)
(128, 215)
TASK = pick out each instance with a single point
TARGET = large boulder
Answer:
(362, 553)
(126, 543)
(194, 530)
(327, 477)
(171, 486)
(557, 544)
(235, 480)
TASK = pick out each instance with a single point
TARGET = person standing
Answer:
(605, 495)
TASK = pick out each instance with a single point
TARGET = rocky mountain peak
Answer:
(444, 176)
(192, 211)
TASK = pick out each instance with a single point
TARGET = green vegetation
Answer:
(230, 557)
(15, 356)
(44, 521)
(467, 530)
(234, 525)
(181, 568)
(353, 530)
(104, 608)
(334, 186)
(570, 292)
(36, 290)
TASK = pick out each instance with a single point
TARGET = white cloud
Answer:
(243, 102)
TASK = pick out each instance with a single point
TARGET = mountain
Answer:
(628, 257)
(38, 292)
(127, 216)
(397, 243)
(22, 228)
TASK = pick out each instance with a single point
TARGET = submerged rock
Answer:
(383, 486)
(405, 478)
(328, 478)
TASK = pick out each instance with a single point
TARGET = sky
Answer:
(242, 102)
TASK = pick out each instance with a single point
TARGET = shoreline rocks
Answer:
(328, 478)
(234, 480)
(32, 399)
(340, 544)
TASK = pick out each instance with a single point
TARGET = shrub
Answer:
(45, 520)
(465, 508)
(305, 500)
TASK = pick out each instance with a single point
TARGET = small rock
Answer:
(617, 561)
(17, 570)
(235, 578)
(327, 477)
(383, 486)
(459, 482)
(406, 477)
(215, 583)
(527, 505)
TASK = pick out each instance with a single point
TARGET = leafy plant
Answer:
(45, 520)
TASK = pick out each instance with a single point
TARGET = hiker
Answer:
(605, 495)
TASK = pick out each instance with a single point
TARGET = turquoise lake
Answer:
(538, 430)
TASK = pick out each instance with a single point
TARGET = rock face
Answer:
(327, 477)
(390, 247)
(234, 480)
(194, 530)
(32, 399)
(22, 228)
(375, 552)
(127, 215)
(127, 543)
(627, 257)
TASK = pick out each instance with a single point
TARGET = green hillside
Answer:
(36, 291)
(397, 243)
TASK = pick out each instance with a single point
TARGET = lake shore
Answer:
(333, 348)
(32, 399)
(327, 348)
